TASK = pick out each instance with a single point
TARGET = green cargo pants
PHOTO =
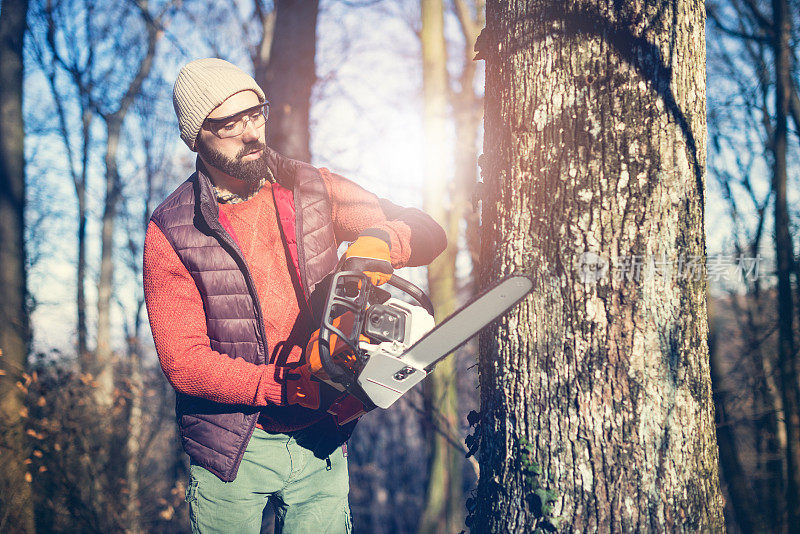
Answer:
(308, 494)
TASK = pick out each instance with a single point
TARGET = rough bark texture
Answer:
(16, 506)
(597, 413)
(290, 76)
(443, 511)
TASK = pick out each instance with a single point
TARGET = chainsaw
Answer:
(372, 347)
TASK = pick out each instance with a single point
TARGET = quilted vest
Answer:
(215, 435)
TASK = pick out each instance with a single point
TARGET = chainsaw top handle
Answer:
(351, 291)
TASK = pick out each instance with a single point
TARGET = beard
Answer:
(251, 172)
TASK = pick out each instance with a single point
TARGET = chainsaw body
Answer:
(386, 375)
(363, 336)
(373, 348)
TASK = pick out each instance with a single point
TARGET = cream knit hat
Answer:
(201, 86)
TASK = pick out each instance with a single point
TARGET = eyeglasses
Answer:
(235, 124)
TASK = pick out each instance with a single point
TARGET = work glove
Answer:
(370, 255)
(340, 351)
(300, 388)
(343, 407)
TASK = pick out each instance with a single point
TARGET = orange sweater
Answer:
(178, 321)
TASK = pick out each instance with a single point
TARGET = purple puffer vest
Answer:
(215, 435)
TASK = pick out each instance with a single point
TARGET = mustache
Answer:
(252, 147)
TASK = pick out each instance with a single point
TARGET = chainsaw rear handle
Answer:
(358, 306)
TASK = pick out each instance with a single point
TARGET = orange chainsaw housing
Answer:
(346, 407)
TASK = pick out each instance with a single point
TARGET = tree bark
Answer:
(16, 504)
(260, 54)
(290, 75)
(443, 496)
(596, 403)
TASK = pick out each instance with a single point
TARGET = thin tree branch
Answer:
(712, 14)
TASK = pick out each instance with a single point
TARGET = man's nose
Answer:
(250, 133)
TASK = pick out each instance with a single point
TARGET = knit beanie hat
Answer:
(201, 86)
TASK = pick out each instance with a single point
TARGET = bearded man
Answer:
(236, 260)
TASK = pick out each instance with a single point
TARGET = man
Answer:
(235, 261)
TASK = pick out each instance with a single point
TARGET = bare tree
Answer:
(443, 511)
(755, 53)
(784, 253)
(745, 507)
(448, 98)
(467, 115)
(48, 60)
(106, 90)
(596, 409)
(16, 506)
(153, 136)
(287, 73)
(113, 114)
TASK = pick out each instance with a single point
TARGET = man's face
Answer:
(243, 157)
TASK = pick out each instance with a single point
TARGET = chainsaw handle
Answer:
(407, 287)
(355, 305)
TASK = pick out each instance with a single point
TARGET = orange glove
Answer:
(340, 351)
(344, 407)
(370, 254)
(300, 388)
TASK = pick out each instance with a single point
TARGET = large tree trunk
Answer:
(443, 496)
(290, 75)
(16, 506)
(784, 253)
(596, 404)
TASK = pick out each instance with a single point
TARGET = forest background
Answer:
(389, 94)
